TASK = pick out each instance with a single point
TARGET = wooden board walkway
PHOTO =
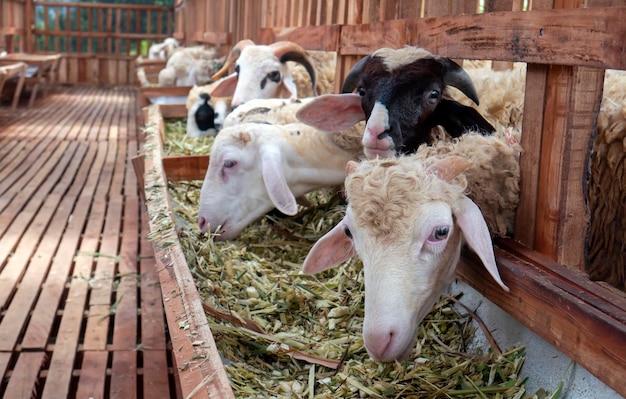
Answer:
(81, 314)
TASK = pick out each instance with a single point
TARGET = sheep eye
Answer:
(229, 164)
(439, 233)
(237, 69)
(361, 91)
(274, 76)
(434, 95)
(347, 231)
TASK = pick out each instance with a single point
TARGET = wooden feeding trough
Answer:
(199, 364)
(543, 263)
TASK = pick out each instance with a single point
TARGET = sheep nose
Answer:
(378, 342)
(202, 224)
(385, 134)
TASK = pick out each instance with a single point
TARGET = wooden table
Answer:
(40, 71)
(17, 71)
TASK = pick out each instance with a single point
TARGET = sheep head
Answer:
(399, 92)
(261, 71)
(256, 167)
(406, 220)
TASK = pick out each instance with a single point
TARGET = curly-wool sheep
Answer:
(189, 66)
(256, 167)
(607, 186)
(407, 218)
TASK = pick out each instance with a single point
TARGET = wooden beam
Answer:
(590, 37)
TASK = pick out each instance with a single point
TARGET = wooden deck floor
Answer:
(80, 305)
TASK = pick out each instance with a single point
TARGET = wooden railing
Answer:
(100, 42)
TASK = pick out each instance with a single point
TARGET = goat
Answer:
(400, 95)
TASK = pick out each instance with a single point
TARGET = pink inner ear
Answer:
(226, 87)
(476, 233)
(332, 112)
(329, 251)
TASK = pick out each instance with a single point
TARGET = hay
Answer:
(289, 335)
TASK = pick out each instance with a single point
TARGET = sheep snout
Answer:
(387, 344)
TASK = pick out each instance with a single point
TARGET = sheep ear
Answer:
(476, 233)
(351, 166)
(275, 181)
(225, 87)
(448, 168)
(329, 251)
(332, 112)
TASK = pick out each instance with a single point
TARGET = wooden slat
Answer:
(192, 167)
(92, 380)
(24, 377)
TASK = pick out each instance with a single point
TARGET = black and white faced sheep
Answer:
(205, 114)
(262, 71)
(400, 93)
(407, 219)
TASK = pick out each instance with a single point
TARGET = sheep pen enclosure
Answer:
(565, 263)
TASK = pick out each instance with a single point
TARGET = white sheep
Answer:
(279, 111)
(189, 66)
(256, 167)
(163, 50)
(407, 219)
(282, 69)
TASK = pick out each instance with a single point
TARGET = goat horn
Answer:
(290, 51)
(352, 79)
(450, 167)
(232, 57)
(457, 77)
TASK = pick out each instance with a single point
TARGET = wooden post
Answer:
(28, 26)
(572, 103)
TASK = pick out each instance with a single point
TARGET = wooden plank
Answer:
(590, 37)
(324, 38)
(5, 360)
(97, 328)
(365, 38)
(180, 168)
(124, 375)
(584, 320)
(92, 379)
(173, 110)
(152, 317)
(23, 379)
(532, 128)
